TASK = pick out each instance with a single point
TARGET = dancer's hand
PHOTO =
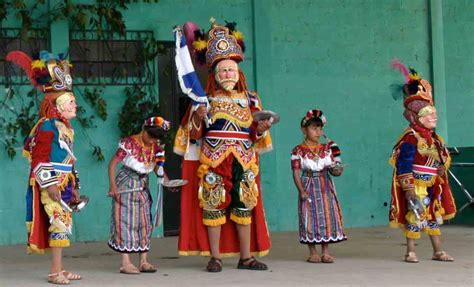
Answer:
(304, 195)
(410, 194)
(54, 193)
(263, 126)
(75, 195)
(112, 190)
(337, 170)
(441, 169)
(200, 113)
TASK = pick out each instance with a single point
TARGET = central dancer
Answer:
(221, 207)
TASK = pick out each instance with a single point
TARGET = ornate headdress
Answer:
(316, 113)
(418, 100)
(49, 74)
(221, 42)
(157, 122)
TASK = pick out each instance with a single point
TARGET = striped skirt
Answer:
(320, 217)
(131, 220)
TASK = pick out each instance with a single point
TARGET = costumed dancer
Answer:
(53, 182)
(313, 163)
(421, 196)
(221, 207)
(131, 219)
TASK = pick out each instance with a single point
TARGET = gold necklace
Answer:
(313, 149)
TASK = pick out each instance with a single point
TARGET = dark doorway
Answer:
(173, 105)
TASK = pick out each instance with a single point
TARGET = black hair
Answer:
(412, 87)
(314, 120)
(154, 132)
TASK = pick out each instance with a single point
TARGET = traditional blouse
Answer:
(133, 154)
(312, 158)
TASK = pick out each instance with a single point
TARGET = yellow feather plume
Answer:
(238, 35)
(200, 45)
(37, 64)
(414, 77)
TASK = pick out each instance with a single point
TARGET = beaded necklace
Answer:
(147, 161)
(312, 148)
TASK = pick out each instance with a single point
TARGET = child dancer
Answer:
(421, 196)
(131, 221)
(313, 163)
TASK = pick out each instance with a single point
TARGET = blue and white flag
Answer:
(188, 79)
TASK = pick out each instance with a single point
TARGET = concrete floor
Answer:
(371, 257)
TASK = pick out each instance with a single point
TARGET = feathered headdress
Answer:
(414, 88)
(417, 93)
(221, 42)
(46, 72)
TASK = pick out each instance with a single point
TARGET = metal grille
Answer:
(111, 59)
(10, 41)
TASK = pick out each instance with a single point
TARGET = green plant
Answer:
(17, 119)
(105, 18)
(139, 105)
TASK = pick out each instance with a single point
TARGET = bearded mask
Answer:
(227, 74)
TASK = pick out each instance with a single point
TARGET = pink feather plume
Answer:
(24, 61)
(188, 29)
(399, 66)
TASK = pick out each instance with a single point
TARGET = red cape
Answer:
(193, 238)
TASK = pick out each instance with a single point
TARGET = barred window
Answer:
(117, 60)
(10, 40)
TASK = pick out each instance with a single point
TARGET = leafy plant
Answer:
(14, 121)
(105, 18)
(139, 105)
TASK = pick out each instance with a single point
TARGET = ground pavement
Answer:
(371, 257)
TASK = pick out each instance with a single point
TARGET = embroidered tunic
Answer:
(221, 165)
(49, 149)
(320, 217)
(415, 163)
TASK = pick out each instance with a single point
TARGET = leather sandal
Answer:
(411, 258)
(326, 258)
(252, 264)
(129, 269)
(58, 279)
(214, 265)
(71, 276)
(147, 268)
(442, 256)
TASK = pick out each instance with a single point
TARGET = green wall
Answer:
(459, 54)
(330, 54)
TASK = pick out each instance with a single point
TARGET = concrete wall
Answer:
(459, 54)
(330, 54)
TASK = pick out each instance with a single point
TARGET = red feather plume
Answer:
(396, 64)
(24, 61)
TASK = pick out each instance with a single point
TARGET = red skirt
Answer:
(193, 238)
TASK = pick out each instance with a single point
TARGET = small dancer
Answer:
(421, 196)
(313, 163)
(131, 221)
